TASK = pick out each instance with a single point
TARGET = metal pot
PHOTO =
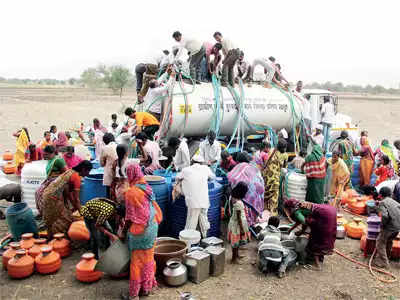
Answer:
(340, 231)
(175, 273)
(285, 235)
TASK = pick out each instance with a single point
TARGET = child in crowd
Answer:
(384, 171)
(262, 157)
(238, 229)
(113, 120)
(299, 160)
(227, 162)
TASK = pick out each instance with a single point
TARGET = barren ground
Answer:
(37, 109)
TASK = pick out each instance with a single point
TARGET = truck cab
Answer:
(342, 122)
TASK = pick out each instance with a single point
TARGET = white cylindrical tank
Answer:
(296, 186)
(32, 176)
(83, 152)
(264, 106)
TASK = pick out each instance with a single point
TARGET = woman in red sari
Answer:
(321, 218)
(33, 153)
(141, 222)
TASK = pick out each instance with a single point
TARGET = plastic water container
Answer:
(95, 164)
(92, 151)
(92, 186)
(20, 220)
(388, 183)
(177, 212)
(32, 176)
(161, 191)
(83, 152)
(355, 175)
(191, 237)
(296, 186)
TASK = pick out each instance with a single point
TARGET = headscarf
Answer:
(291, 205)
(22, 145)
(134, 172)
(366, 147)
(72, 161)
(62, 140)
(138, 196)
(315, 166)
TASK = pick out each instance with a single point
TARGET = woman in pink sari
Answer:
(251, 175)
(61, 141)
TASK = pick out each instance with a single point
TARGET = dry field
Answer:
(37, 109)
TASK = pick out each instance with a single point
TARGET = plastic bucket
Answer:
(167, 249)
(191, 237)
(115, 260)
(20, 220)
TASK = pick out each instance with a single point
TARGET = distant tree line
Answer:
(118, 77)
(340, 87)
(115, 77)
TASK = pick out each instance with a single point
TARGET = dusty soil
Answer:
(39, 108)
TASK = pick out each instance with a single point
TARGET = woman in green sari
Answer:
(55, 167)
(387, 149)
(315, 171)
(346, 150)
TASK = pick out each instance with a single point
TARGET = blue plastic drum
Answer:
(92, 186)
(178, 212)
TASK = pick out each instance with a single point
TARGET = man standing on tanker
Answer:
(196, 52)
(231, 54)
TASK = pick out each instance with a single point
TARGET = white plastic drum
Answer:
(297, 186)
(388, 183)
(32, 176)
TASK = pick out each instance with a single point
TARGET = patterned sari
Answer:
(271, 174)
(367, 162)
(250, 175)
(56, 210)
(144, 215)
(53, 169)
(315, 170)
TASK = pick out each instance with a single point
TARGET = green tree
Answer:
(91, 78)
(116, 77)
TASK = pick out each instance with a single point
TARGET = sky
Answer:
(353, 41)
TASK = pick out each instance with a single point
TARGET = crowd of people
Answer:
(130, 212)
(127, 151)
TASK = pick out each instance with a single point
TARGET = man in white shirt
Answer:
(210, 150)
(107, 158)
(196, 52)
(243, 68)
(318, 136)
(182, 155)
(147, 71)
(328, 118)
(115, 129)
(194, 180)
(157, 89)
(231, 55)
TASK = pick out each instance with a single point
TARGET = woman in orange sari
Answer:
(141, 222)
(367, 162)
